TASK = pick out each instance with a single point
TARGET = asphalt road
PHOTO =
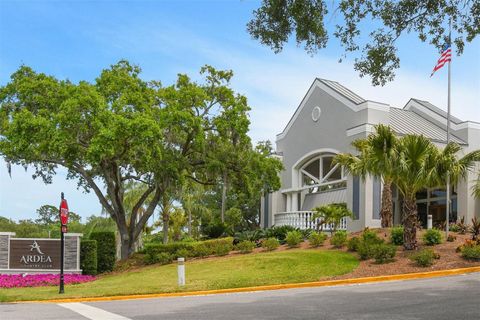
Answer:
(449, 298)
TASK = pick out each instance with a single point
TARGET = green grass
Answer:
(230, 272)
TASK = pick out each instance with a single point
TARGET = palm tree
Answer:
(376, 157)
(420, 164)
(191, 204)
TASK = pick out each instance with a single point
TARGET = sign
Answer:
(34, 254)
(64, 212)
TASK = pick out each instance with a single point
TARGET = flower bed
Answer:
(40, 280)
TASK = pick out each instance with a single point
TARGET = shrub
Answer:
(371, 237)
(222, 249)
(462, 226)
(246, 246)
(317, 239)
(471, 253)
(353, 243)
(454, 227)
(219, 246)
(88, 257)
(200, 250)
(384, 252)
(280, 233)
(270, 244)
(365, 250)
(432, 237)
(396, 236)
(215, 230)
(184, 253)
(172, 248)
(451, 238)
(106, 250)
(424, 258)
(294, 238)
(339, 239)
(248, 235)
(475, 229)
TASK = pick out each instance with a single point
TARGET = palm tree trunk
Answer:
(386, 213)
(410, 220)
(189, 223)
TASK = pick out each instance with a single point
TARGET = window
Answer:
(322, 174)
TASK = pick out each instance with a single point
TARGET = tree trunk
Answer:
(189, 223)
(166, 220)
(386, 213)
(224, 196)
(410, 220)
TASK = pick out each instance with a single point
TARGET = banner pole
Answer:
(62, 248)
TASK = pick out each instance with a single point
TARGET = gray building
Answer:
(325, 123)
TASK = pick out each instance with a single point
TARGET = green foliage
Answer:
(218, 247)
(339, 239)
(123, 128)
(424, 258)
(383, 252)
(432, 237)
(471, 253)
(317, 239)
(246, 246)
(331, 214)
(249, 235)
(353, 243)
(88, 257)
(106, 250)
(270, 244)
(453, 227)
(184, 253)
(172, 248)
(396, 235)
(376, 56)
(365, 250)
(200, 250)
(371, 237)
(215, 230)
(280, 233)
(161, 258)
(293, 238)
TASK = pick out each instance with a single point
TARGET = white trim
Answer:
(434, 115)
(374, 105)
(316, 84)
(73, 234)
(314, 152)
(363, 128)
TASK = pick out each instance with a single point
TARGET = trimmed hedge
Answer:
(106, 250)
(88, 257)
(154, 252)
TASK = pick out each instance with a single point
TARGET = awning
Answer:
(313, 200)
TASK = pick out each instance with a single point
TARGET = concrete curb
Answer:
(407, 276)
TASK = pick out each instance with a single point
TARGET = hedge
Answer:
(106, 250)
(155, 251)
(88, 257)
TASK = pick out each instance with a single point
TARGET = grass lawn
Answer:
(289, 266)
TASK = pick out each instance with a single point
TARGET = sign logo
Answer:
(36, 247)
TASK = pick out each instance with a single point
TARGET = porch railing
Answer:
(303, 220)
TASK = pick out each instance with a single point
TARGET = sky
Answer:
(77, 39)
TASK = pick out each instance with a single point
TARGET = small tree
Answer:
(331, 214)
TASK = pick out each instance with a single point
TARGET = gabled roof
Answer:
(436, 110)
(408, 122)
(347, 93)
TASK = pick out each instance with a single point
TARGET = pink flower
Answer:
(37, 280)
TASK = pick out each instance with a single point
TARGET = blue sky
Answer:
(77, 39)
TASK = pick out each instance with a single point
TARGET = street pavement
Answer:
(446, 298)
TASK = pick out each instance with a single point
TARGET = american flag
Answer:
(444, 58)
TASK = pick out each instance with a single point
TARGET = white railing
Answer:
(303, 220)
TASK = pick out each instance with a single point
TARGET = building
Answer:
(325, 123)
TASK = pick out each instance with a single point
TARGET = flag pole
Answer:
(448, 129)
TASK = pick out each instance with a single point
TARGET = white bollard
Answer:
(429, 221)
(181, 271)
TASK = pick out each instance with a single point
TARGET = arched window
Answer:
(321, 174)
